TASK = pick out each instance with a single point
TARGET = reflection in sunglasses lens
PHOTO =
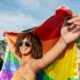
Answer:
(27, 44)
(20, 43)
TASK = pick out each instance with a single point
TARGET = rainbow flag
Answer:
(63, 68)
(11, 64)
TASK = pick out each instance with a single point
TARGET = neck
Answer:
(26, 58)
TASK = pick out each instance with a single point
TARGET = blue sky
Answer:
(18, 15)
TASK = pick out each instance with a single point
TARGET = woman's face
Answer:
(25, 46)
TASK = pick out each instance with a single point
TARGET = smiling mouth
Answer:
(24, 49)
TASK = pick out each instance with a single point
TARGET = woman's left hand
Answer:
(75, 20)
(71, 32)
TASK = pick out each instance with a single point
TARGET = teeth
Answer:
(23, 49)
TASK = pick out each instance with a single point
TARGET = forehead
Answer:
(25, 39)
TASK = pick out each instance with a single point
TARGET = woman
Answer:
(29, 50)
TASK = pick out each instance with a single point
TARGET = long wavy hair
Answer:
(36, 50)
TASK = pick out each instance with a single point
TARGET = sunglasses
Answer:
(27, 43)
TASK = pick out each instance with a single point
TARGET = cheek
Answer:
(29, 49)
(20, 48)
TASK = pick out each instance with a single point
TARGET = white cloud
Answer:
(16, 22)
(30, 4)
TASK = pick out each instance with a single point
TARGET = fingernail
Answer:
(69, 21)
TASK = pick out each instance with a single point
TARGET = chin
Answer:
(25, 53)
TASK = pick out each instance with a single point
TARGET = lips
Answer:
(23, 49)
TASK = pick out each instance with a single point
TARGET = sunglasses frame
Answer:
(27, 43)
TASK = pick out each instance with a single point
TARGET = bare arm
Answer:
(50, 56)
(12, 47)
(66, 38)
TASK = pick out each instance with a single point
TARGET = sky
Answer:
(19, 15)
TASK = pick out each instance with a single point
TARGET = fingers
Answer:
(74, 15)
(75, 20)
(71, 27)
(76, 30)
(77, 23)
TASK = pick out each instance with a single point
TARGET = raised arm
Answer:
(50, 56)
(12, 47)
(67, 36)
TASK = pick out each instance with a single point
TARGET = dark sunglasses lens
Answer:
(20, 43)
(27, 44)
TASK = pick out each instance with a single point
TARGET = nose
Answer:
(23, 45)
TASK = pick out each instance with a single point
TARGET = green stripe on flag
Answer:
(11, 57)
(72, 78)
